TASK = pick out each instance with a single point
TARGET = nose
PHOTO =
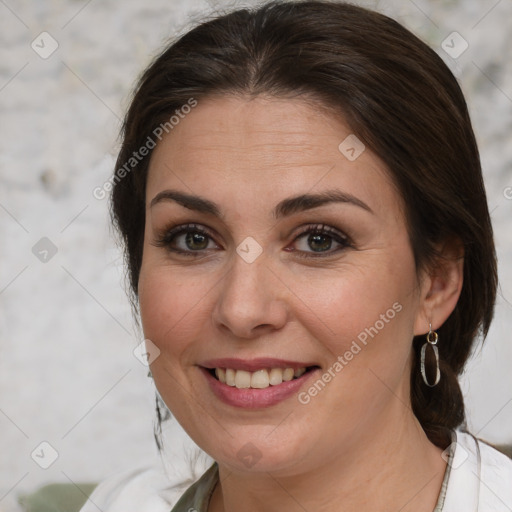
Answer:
(251, 300)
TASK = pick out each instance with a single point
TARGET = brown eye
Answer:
(196, 241)
(318, 240)
(187, 240)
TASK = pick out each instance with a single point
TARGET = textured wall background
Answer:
(68, 376)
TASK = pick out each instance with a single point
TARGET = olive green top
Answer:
(197, 497)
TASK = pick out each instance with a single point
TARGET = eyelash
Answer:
(168, 237)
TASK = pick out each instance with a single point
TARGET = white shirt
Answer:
(478, 479)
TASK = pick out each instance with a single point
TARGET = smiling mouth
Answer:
(260, 379)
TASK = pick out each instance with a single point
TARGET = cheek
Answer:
(352, 299)
(366, 326)
(365, 315)
(170, 308)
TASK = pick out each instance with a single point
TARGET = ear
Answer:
(440, 287)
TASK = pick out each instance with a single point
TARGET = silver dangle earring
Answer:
(432, 342)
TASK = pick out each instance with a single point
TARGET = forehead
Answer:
(264, 148)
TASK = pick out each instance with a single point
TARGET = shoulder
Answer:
(145, 488)
(480, 477)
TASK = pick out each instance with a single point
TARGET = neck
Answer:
(392, 468)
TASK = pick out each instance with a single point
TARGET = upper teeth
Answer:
(259, 379)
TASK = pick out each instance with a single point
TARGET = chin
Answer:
(256, 455)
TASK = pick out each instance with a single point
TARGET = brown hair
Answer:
(398, 97)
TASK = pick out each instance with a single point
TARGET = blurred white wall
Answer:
(67, 372)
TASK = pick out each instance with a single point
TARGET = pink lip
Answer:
(256, 398)
(253, 365)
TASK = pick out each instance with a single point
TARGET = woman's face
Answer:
(269, 246)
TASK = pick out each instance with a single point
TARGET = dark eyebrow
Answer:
(283, 209)
(308, 201)
(197, 203)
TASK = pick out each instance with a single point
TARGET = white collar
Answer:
(480, 478)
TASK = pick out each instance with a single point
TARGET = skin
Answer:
(356, 446)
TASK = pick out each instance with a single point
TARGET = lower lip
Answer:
(250, 398)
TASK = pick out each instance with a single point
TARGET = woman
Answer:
(308, 242)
